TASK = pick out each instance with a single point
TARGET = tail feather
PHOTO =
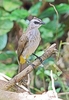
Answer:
(22, 67)
(25, 79)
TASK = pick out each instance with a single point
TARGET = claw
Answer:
(38, 57)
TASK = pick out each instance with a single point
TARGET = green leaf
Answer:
(5, 26)
(58, 90)
(40, 72)
(61, 8)
(3, 13)
(3, 41)
(51, 31)
(5, 68)
(34, 10)
(18, 14)
(47, 72)
(39, 53)
(47, 35)
(42, 89)
(50, 0)
(59, 73)
(14, 15)
(10, 5)
(7, 54)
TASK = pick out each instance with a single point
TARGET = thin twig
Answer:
(54, 9)
(65, 93)
(57, 21)
(53, 87)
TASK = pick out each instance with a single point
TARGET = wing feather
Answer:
(21, 44)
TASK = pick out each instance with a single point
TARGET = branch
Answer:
(5, 95)
(27, 70)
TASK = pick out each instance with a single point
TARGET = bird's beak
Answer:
(42, 22)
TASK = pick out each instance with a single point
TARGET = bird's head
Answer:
(36, 22)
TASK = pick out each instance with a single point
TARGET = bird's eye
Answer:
(36, 22)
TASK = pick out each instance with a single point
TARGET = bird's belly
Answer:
(31, 47)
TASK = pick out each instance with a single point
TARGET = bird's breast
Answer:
(34, 35)
(34, 40)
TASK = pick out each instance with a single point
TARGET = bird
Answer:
(28, 42)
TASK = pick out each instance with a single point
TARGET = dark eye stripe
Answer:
(36, 22)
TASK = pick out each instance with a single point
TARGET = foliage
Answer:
(56, 19)
(3, 41)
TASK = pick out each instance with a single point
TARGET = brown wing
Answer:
(21, 44)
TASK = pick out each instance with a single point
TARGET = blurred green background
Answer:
(14, 19)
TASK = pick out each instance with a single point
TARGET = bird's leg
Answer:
(38, 57)
(33, 64)
(30, 63)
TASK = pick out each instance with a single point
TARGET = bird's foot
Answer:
(38, 57)
(29, 63)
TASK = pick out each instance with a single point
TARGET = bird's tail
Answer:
(25, 79)
(22, 67)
